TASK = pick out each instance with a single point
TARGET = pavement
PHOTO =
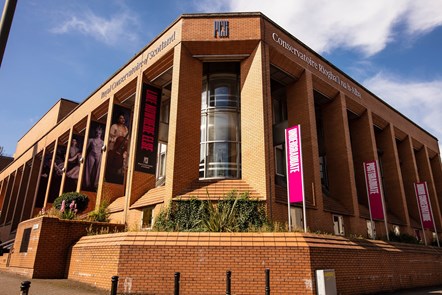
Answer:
(417, 291)
(10, 285)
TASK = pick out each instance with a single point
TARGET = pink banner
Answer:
(295, 185)
(424, 205)
(374, 193)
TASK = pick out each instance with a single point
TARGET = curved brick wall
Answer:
(146, 262)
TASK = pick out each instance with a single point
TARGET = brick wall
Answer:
(49, 245)
(146, 262)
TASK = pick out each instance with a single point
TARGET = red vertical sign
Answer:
(374, 190)
(423, 202)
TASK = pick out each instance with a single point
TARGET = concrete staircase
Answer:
(216, 189)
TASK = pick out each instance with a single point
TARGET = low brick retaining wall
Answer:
(49, 243)
(146, 262)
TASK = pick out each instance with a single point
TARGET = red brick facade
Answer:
(50, 242)
(343, 126)
(146, 263)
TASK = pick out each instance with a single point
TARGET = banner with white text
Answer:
(423, 202)
(374, 190)
(295, 181)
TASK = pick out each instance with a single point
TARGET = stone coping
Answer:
(265, 239)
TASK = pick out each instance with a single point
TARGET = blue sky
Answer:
(64, 48)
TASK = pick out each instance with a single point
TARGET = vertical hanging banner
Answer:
(423, 202)
(147, 135)
(374, 190)
(295, 181)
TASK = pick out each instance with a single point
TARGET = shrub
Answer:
(233, 213)
(163, 221)
(80, 199)
(101, 214)
(403, 238)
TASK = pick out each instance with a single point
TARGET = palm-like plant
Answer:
(221, 217)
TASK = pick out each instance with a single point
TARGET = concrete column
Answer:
(42, 183)
(3, 191)
(425, 174)
(339, 159)
(436, 169)
(101, 183)
(83, 153)
(301, 110)
(255, 125)
(14, 195)
(21, 195)
(363, 145)
(31, 190)
(183, 151)
(66, 161)
(394, 194)
(51, 172)
(409, 177)
(363, 150)
(7, 197)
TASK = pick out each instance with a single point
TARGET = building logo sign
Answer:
(221, 29)
(424, 205)
(374, 190)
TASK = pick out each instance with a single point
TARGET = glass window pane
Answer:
(223, 92)
(280, 160)
(222, 126)
(204, 95)
(222, 160)
(220, 133)
(203, 128)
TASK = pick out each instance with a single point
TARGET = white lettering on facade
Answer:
(137, 67)
(317, 66)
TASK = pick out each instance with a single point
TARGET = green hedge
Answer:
(80, 199)
(234, 213)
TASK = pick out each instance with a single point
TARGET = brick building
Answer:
(203, 107)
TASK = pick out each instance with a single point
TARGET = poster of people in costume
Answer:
(94, 153)
(118, 145)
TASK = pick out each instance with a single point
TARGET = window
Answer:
(396, 230)
(147, 219)
(25, 240)
(297, 222)
(279, 118)
(323, 171)
(417, 235)
(280, 160)
(338, 225)
(279, 105)
(371, 229)
(161, 162)
(165, 111)
(220, 149)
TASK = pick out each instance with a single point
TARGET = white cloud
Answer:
(419, 101)
(359, 24)
(115, 30)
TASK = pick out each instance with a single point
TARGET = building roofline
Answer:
(231, 14)
(252, 14)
